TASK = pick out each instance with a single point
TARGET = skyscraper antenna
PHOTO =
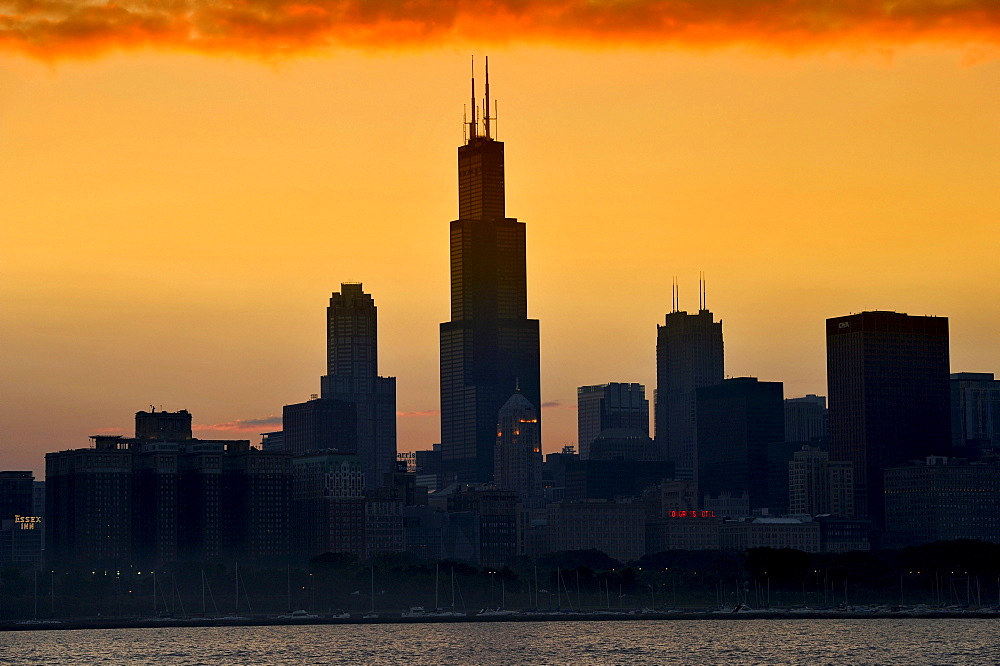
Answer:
(486, 106)
(473, 123)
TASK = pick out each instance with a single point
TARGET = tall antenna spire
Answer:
(702, 292)
(474, 121)
(486, 106)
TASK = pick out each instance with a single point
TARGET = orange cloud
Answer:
(271, 28)
(266, 424)
(426, 412)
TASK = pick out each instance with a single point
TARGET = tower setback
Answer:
(489, 349)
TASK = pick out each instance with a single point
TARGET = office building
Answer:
(490, 347)
(975, 413)
(737, 421)
(16, 494)
(612, 405)
(328, 504)
(623, 444)
(615, 528)
(942, 499)
(165, 497)
(887, 376)
(320, 424)
(689, 355)
(21, 521)
(518, 453)
(352, 377)
(817, 485)
(806, 419)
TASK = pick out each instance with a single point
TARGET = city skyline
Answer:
(174, 223)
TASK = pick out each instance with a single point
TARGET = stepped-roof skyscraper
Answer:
(352, 377)
(489, 349)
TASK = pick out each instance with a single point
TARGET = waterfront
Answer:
(772, 641)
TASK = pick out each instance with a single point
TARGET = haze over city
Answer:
(182, 194)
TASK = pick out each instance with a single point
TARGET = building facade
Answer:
(167, 497)
(320, 424)
(806, 419)
(940, 499)
(887, 376)
(616, 528)
(489, 348)
(689, 355)
(818, 486)
(975, 412)
(352, 377)
(612, 405)
(737, 420)
(517, 462)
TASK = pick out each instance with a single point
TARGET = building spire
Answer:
(702, 292)
(474, 121)
(486, 105)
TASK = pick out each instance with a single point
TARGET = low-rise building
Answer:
(942, 499)
(616, 528)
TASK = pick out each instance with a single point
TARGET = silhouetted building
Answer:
(319, 424)
(429, 471)
(352, 376)
(613, 405)
(806, 419)
(272, 441)
(152, 500)
(942, 499)
(257, 491)
(495, 521)
(623, 444)
(975, 412)
(687, 532)
(328, 505)
(615, 528)
(16, 494)
(490, 347)
(727, 505)
(737, 420)
(770, 532)
(21, 524)
(383, 523)
(844, 535)
(689, 355)
(817, 485)
(88, 503)
(611, 479)
(518, 453)
(889, 396)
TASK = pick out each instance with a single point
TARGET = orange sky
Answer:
(173, 222)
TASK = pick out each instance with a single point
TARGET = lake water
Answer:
(812, 642)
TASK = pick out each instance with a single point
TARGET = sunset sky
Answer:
(182, 185)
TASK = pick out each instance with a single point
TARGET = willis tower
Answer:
(489, 349)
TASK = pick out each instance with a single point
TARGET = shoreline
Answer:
(553, 616)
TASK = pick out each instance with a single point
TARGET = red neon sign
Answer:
(691, 514)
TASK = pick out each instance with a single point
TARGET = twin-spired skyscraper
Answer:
(489, 349)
